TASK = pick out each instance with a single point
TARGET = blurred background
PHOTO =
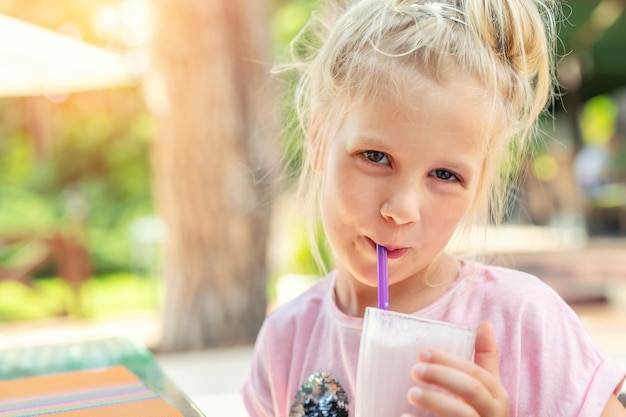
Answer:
(141, 189)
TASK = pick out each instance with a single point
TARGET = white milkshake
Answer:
(389, 346)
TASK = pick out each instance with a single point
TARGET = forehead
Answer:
(454, 103)
(398, 80)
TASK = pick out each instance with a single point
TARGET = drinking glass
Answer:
(390, 343)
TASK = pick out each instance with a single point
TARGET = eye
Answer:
(377, 157)
(445, 175)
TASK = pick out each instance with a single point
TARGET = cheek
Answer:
(449, 215)
(338, 200)
(344, 187)
(346, 206)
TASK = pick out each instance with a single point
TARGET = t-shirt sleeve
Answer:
(256, 391)
(282, 343)
(595, 399)
(569, 374)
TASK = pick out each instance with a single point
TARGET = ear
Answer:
(314, 144)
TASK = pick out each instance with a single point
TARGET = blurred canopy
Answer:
(83, 159)
(595, 36)
(74, 163)
(45, 62)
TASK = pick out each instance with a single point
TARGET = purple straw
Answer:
(383, 279)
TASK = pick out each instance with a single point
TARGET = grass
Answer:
(97, 298)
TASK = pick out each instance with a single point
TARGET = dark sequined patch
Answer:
(320, 395)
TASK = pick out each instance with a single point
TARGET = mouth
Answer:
(392, 251)
(396, 253)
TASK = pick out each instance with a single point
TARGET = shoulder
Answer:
(509, 296)
(506, 284)
(548, 359)
(498, 274)
(526, 311)
(300, 312)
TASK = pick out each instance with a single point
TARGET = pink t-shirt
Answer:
(549, 365)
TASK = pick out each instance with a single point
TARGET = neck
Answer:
(406, 296)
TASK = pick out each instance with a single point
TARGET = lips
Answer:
(396, 253)
(392, 252)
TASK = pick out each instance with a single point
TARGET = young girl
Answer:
(415, 111)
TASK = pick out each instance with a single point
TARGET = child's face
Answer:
(403, 174)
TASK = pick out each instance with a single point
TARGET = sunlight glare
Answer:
(128, 23)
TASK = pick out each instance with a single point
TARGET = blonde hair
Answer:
(358, 48)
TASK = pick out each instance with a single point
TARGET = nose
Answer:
(402, 203)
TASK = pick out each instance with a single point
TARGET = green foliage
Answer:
(89, 175)
(119, 293)
(598, 120)
(288, 19)
(24, 211)
(98, 298)
(43, 300)
(303, 261)
(291, 252)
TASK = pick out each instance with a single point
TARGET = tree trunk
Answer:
(213, 166)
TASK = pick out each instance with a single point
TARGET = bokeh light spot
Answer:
(545, 167)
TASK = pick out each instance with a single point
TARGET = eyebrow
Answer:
(369, 140)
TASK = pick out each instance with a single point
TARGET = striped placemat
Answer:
(113, 391)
